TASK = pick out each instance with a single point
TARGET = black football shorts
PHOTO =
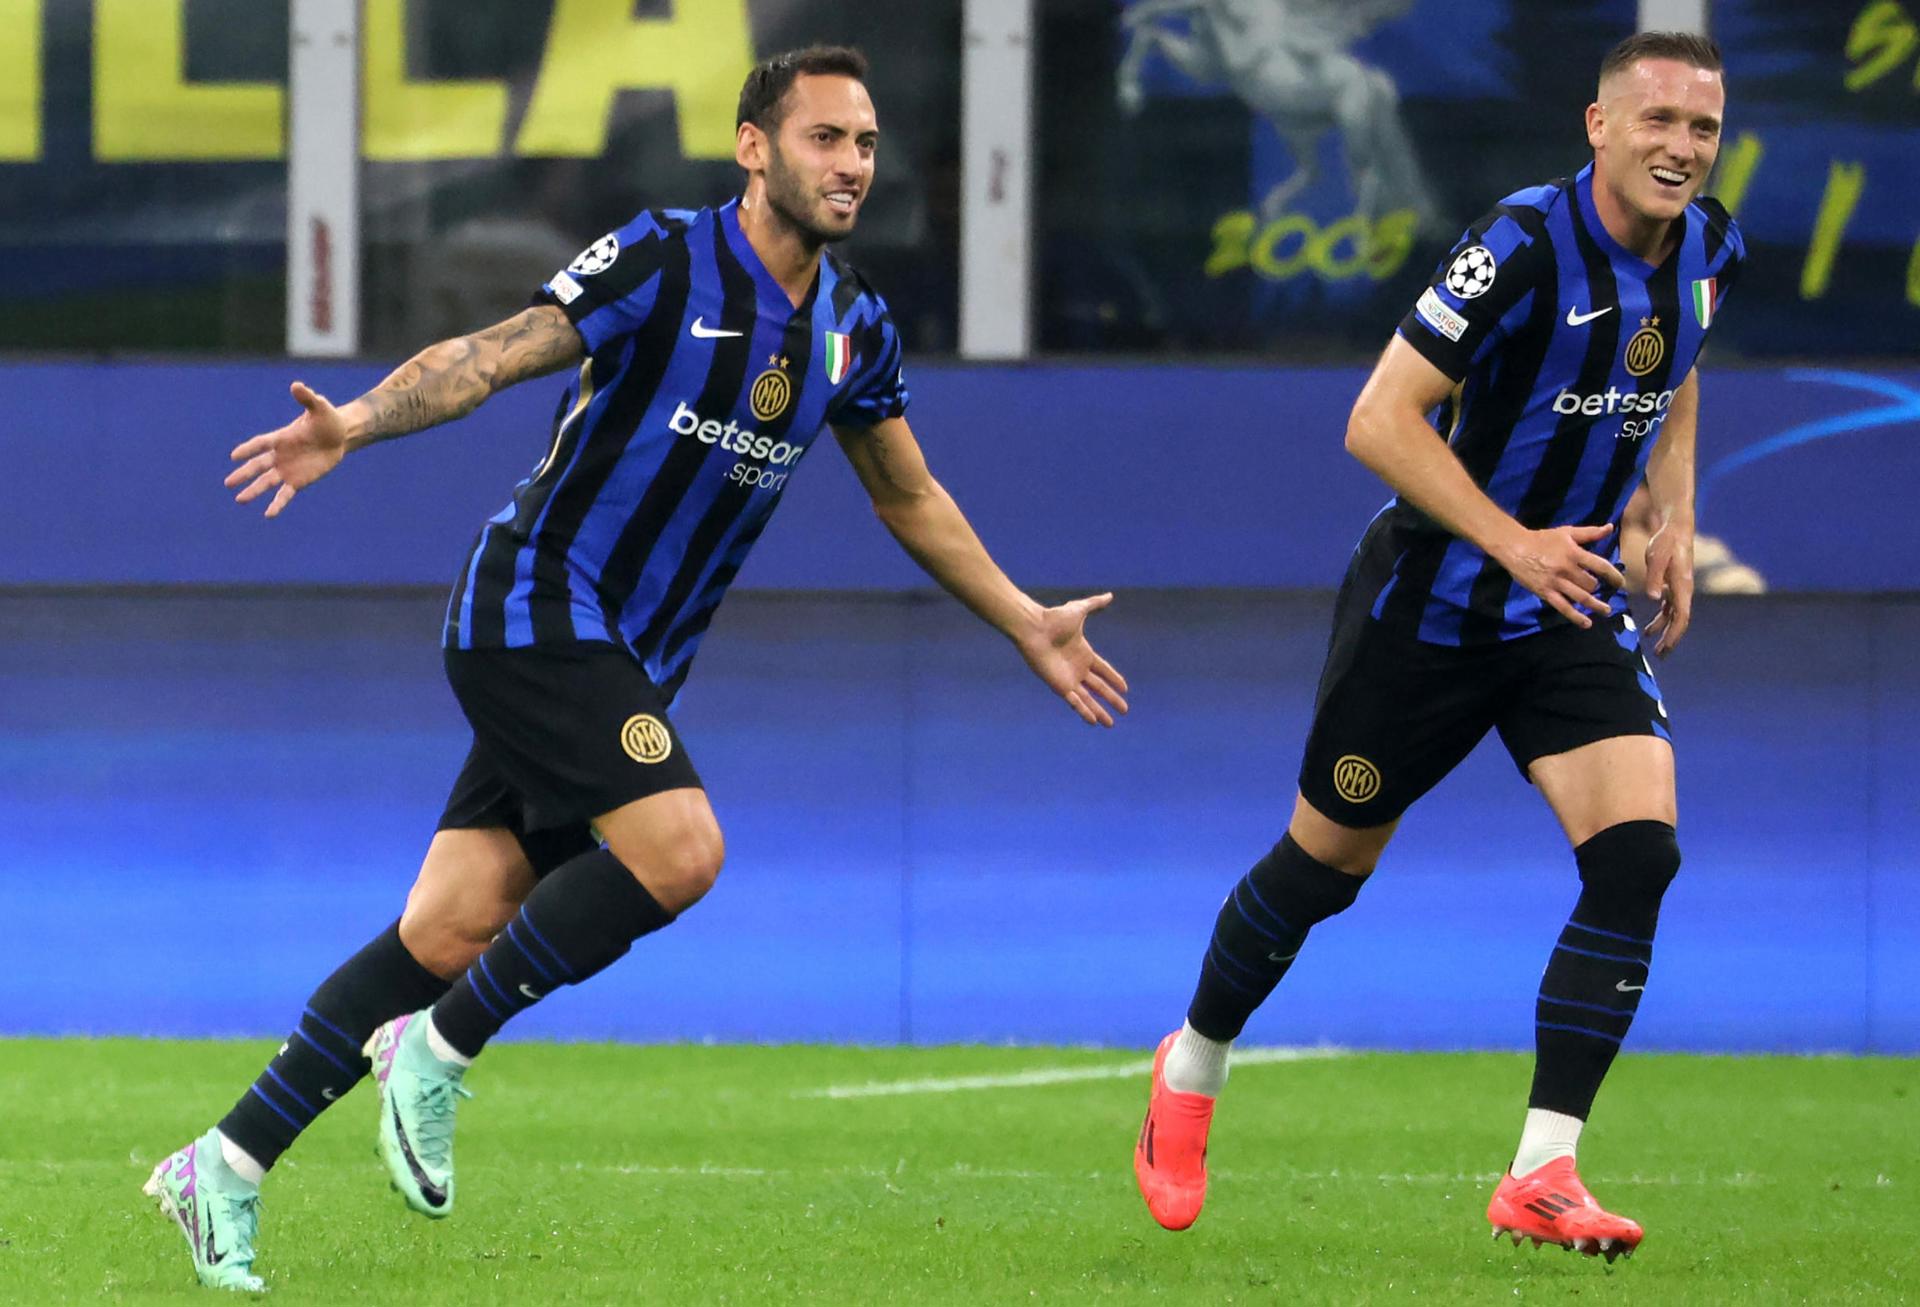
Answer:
(561, 734)
(1394, 715)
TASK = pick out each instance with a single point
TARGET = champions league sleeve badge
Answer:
(599, 256)
(1472, 272)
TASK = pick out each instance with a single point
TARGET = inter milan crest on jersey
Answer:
(1646, 348)
(838, 356)
(772, 391)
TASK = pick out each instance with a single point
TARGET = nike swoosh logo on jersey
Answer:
(701, 331)
(1574, 317)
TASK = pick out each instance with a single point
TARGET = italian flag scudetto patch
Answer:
(1703, 296)
(839, 356)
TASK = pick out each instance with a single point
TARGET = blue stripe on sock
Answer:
(1258, 929)
(1610, 957)
(1610, 934)
(321, 1050)
(527, 953)
(294, 1094)
(1255, 891)
(512, 1002)
(255, 1090)
(1578, 1030)
(1253, 994)
(1591, 1007)
(325, 1024)
(558, 959)
(482, 999)
(1220, 951)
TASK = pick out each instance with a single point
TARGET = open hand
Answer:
(292, 458)
(1556, 565)
(1670, 581)
(1057, 650)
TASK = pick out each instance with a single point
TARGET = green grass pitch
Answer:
(682, 1175)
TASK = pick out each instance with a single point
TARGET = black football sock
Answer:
(1260, 929)
(579, 920)
(1593, 982)
(321, 1059)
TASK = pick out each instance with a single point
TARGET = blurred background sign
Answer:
(1282, 175)
(144, 171)
(1238, 176)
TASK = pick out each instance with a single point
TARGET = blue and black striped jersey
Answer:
(1567, 350)
(702, 388)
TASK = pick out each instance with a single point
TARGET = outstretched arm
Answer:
(930, 527)
(440, 383)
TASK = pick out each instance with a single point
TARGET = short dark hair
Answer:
(767, 85)
(1689, 48)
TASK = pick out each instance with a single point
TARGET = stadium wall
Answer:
(208, 797)
(1166, 476)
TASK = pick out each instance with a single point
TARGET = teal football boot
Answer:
(217, 1211)
(418, 1094)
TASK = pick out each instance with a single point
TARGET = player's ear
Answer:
(1596, 124)
(750, 147)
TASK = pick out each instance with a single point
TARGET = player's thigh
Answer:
(1626, 778)
(670, 841)
(1394, 716)
(470, 884)
(1588, 726)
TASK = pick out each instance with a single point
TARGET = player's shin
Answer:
(579, 920)
(1259, 931)
(1593, 982)
(321, 1060)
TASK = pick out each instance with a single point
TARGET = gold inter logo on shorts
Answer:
(772, 392)
(1355, 779)
(1646, 348)
(646, 739)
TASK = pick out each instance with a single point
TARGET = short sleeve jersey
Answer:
(1566, 350)
(703, 387)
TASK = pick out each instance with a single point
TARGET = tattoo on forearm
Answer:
(451, 379)
(536, 342)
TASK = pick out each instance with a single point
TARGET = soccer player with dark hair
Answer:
(709, 349)
(1546, 370)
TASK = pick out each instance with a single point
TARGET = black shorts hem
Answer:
(562, 735)
(1397, 714)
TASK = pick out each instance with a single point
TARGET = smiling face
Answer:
(818, 163)
(1655, 132)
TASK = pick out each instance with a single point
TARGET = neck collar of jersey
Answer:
(1583, 191)
(769, 286)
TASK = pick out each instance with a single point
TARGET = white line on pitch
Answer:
(962, 1171)
(1051, 1075)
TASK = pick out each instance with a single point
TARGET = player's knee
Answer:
(1633, 861)
(679, 866)
(445, 935)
